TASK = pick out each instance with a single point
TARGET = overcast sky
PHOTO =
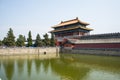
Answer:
(39, 15)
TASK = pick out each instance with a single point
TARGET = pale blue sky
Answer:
(39, 15)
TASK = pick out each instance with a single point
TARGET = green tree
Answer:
(29, 39)
(10, 39)
(43, 42)
(46, 40)
(20, 41)
(38, 41)
(24, 38)
(52, 40)
(4, 41)
(0, 43)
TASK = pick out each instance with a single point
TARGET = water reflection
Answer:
(68, 67)
(20, 65)
(8, 68)
(68, 71)
(101, 75)
(37, 65)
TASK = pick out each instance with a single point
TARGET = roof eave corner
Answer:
(87, 24)
(91, 29)
(50, 31)
(84, 23)
(53, 26)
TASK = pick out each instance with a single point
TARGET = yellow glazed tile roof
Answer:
(70, 22)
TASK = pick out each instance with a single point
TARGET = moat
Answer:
(67, 67)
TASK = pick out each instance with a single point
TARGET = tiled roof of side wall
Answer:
(100, 36)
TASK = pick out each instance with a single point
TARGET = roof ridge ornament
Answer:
(77, 18)
(61, 21)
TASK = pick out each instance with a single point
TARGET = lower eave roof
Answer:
(72, 29)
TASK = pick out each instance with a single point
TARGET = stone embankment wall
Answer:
(93, 52)
(28, 51)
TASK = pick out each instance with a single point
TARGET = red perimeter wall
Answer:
(98, 45)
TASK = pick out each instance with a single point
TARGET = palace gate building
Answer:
(70, 29)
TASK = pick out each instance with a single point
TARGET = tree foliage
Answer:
(38, 41)
(52, 40)
(24, 38)
(4, 41)
(20, 41)
(0, 43)
(46, 40)
(29, 39)
(10, 39)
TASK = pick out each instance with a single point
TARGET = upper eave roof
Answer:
(73, 21)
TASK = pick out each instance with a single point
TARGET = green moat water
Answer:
(67, 67)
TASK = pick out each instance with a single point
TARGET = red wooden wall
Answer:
(98, 45)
